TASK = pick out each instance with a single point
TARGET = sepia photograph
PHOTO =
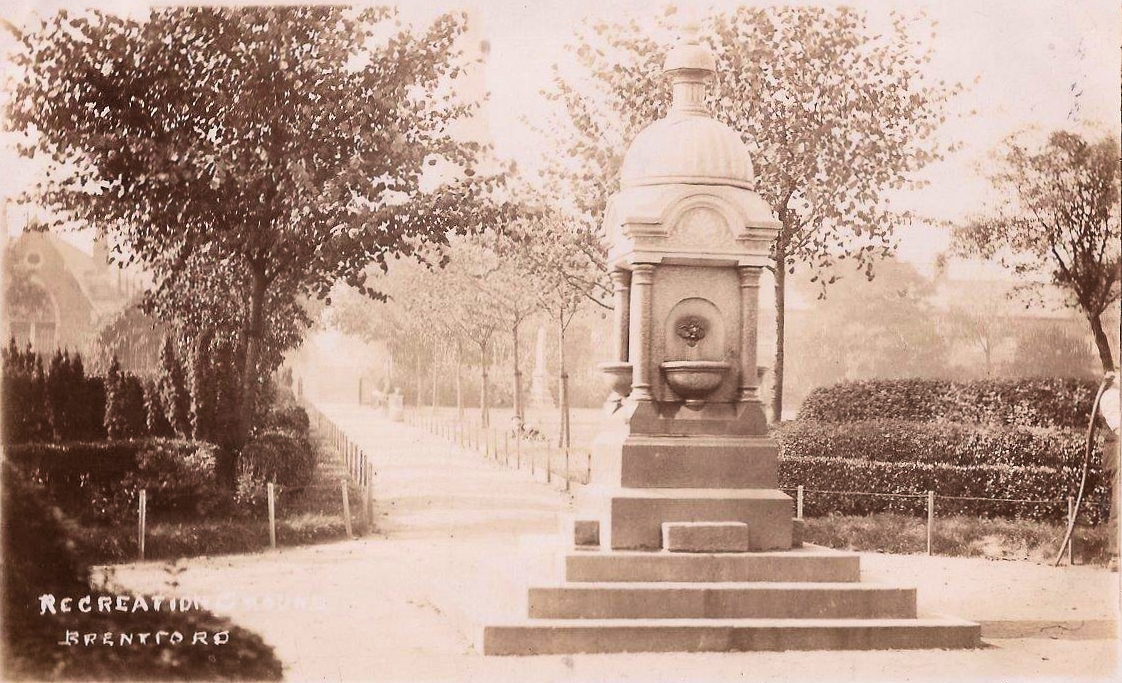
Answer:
(561, 340)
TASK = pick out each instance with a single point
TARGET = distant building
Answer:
(58, 296)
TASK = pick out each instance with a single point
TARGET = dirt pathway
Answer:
(461, 538)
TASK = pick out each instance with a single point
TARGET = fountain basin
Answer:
(694, 380)
(619, 377)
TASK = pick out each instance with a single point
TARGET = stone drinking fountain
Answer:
(683, 540)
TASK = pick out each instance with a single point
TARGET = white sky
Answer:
(1024, 55)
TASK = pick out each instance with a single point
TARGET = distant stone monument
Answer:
(684, 542)
(540, 396)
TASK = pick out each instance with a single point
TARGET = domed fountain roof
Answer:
(688, 145)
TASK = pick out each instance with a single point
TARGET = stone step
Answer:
(809, 563)
(723, 601)
(565, 636)
(705, 537)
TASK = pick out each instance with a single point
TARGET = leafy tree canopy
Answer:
(837, 114)
(250, 156)
(1058, 214)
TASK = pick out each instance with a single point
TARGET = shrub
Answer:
(25, 410)
(901, 441)
(174, 394)
(99, 481)
(286, 415)
(158, 424)
(40, 559)
(37, 556)
(854, 478)
(178, 476)
(281, 457)
(1041, 402)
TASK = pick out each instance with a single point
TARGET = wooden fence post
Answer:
(272, 515)
(930, 519)
(568, 482)
(369, 502)
(142, 519)
(799, 502)
(346, 508)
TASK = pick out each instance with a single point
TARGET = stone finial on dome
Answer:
(689, 64)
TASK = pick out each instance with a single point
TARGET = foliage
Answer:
(1037, 402)
(268, 151)
(1058, 214)
(855, 478)
(39, 558)
(837, 113)
(37, 555)
(25, 410)
(126, 416)
(178, 476)
(901, 441)
(158, 424)
(284, 458)
(174, 395)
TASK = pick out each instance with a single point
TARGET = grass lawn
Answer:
(957, 536)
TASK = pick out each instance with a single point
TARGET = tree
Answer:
(837, 114)
(249, 157)
(174, 398)
(559, 256)
(1058, 214)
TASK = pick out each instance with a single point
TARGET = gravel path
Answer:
(460, 539)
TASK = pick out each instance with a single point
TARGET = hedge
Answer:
(98, 481)
(1040, 402)
(977, 481)
(901, 441)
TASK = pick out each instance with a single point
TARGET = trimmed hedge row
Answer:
(980, 481)
(1039, 402)
(900, 441)
(98, 481)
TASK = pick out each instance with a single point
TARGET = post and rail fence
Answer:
(511, 448)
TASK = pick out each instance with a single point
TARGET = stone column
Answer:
(639, 338)
(621, 284)
(749, 323)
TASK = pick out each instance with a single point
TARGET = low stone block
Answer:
(797, 533)
(586, 533)
(705, 537)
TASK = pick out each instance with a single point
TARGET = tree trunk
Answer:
(564, 438)
(254, 332)
(780, 325)
(484, 403)
(434, 381)
(459, 381)
(519, 409)
(1101, 342)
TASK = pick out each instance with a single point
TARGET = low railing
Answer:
(509, 447)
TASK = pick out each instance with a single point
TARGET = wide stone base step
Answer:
(722, 601)
(562, 636)
(808, 563)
